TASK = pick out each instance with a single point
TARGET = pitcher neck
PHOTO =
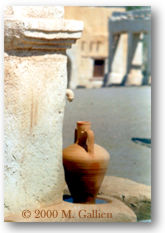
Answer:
(83, 126)
(85, 136)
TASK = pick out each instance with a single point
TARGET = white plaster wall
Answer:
(34, 106)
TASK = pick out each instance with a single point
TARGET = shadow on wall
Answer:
(142, 141)
(69, 71)
(145, 81)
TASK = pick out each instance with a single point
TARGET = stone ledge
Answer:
(114, 211)
(30, 31)
(41, 33)
(135, 195)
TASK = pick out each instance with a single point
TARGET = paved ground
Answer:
(117, 115)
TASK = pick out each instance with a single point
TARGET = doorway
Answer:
(98, 71)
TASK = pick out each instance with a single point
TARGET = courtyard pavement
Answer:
(117, 114)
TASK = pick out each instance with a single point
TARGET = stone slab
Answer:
(135, 195)
(113, 211)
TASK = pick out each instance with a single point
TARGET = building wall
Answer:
(93, 44)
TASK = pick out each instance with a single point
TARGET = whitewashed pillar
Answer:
(134, 59)
(36, 39)
(117, 67)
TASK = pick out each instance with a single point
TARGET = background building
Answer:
(87, 60)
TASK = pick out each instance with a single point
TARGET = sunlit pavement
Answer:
(117, 114)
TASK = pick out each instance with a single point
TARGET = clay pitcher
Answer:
(85, 165)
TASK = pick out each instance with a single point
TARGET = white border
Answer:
(78, 3)
(158, 125)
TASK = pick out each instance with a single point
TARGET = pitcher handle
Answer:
(90, 141)
(75, 136)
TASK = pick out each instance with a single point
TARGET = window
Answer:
(98, 45)
(98, 70)
(83, 45)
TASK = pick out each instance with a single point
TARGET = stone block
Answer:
(137, 196)
(113, 211)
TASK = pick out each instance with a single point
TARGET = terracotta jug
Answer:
(85, 164)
